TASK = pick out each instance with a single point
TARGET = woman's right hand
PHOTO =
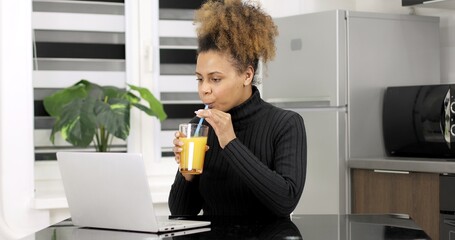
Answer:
(177, 150)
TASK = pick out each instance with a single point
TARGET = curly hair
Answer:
(238, 27)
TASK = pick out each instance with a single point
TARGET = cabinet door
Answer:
(415, 194)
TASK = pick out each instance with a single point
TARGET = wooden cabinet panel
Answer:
(416, 194)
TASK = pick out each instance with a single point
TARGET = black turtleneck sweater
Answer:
(260, 173)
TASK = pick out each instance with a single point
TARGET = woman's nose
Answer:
(204, 87)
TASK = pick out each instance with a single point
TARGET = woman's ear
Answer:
(249, 75)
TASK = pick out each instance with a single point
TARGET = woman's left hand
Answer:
(221, 123)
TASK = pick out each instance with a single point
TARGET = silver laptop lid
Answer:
(107, 190)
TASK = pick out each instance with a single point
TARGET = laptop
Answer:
(111, 191)
(108, 234)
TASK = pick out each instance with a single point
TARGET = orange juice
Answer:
(192, 155)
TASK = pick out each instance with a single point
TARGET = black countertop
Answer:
(430, 165)
(330, 227)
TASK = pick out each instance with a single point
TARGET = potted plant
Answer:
(86, 112)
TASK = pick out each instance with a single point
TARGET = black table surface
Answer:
(330, 227)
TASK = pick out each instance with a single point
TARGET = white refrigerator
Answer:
(332, 67)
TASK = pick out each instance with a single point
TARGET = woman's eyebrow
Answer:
(210, 73)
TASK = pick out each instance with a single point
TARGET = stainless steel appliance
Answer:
(332, 67)
(418, 121)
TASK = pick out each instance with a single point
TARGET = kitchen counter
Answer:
(404, 164)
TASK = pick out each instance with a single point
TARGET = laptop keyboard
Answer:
(167, 223)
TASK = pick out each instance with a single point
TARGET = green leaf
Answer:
(114, 92)
(114, 117)
(54, 103)
(77, 123)
(145, 109)
(94, 91)
(132, 98)
(154, 104)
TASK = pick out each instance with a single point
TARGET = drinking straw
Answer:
(196, 132)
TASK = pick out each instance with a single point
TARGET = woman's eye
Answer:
(198, 79)
(216, 79)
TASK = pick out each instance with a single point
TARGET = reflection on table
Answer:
(342, 227)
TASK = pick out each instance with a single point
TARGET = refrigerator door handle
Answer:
(305, 103)
(299, 103)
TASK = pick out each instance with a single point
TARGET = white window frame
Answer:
(143, 69)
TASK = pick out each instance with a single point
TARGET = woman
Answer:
(255, 164)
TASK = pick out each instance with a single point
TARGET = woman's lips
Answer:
(209, 104)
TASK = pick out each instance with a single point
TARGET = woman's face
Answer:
(219, 83)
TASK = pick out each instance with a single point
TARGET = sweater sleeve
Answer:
(279, 189)
(184, 197)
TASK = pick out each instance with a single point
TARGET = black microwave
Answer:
(418, 121)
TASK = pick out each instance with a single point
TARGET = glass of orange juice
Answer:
(194, 140)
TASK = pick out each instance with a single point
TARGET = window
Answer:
(111, 43)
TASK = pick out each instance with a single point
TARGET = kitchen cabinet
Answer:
(444, 4)
(412, 193)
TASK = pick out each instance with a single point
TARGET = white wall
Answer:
(17, 217)
(294, 7)
(447, 29)
(389, 6)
